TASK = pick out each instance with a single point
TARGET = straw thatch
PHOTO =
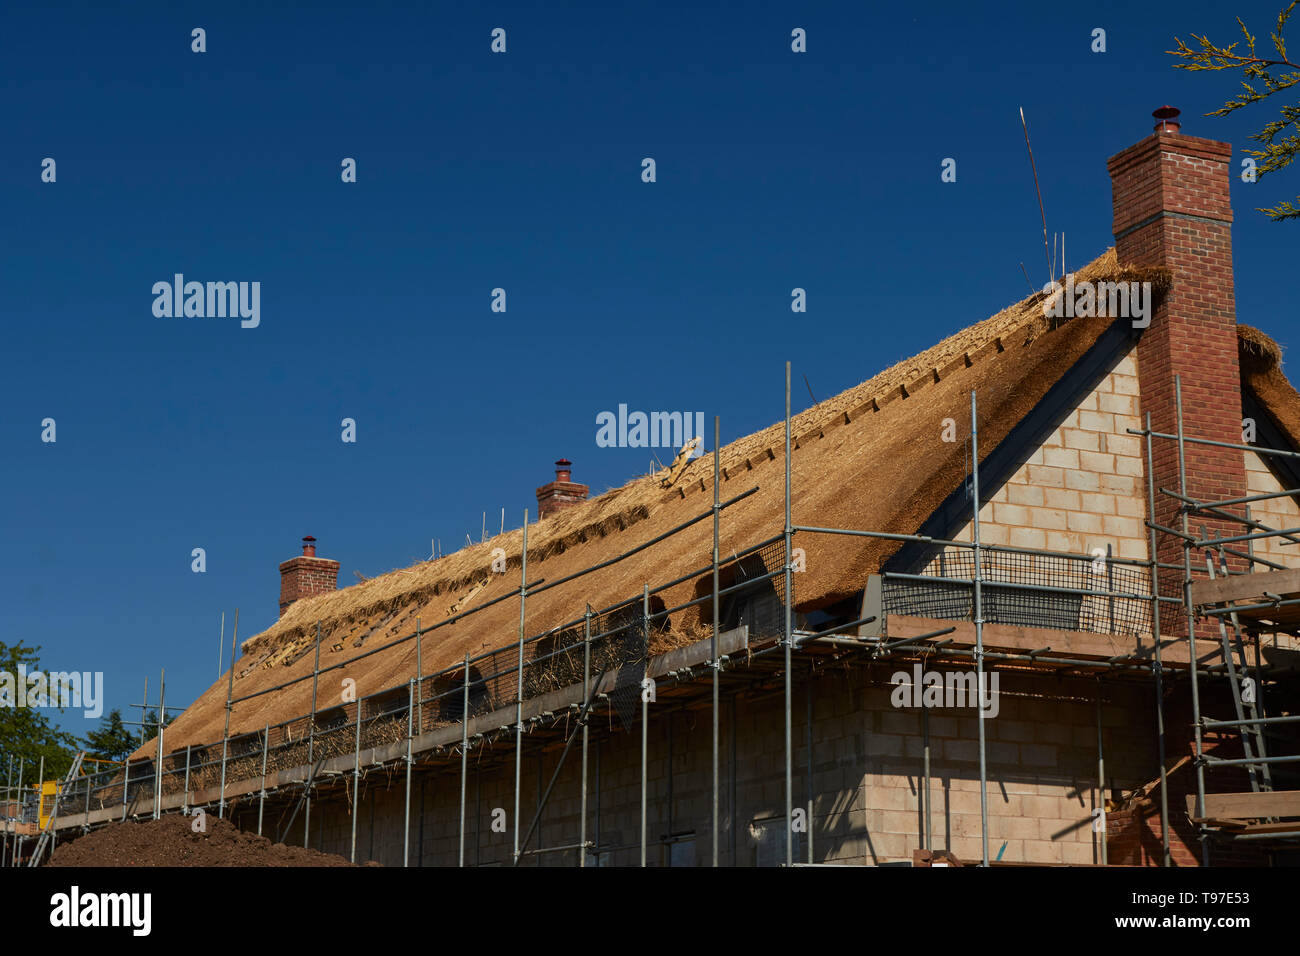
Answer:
(1261, 371)
(868, 458)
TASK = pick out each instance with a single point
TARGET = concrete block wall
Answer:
(865, 787)
(1277, 513)
(1085, 486)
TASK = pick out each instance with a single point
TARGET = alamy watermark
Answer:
(654, 430)
(923, 688)
(60, 689)
(1085, 299)
(200, 300)
(128, 910)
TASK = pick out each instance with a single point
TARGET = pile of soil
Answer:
(170, 841)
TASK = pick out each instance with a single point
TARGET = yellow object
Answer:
(49, 788)
(46, 805)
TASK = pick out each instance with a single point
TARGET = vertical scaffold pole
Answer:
(15, 853)
(419, 686)
(714, 663)
(311, 741)
(979, 626)
(1158, 666)
(9, 779)
(126, 781)
(586, 698)
(225, 734)
(645, 714)
(519, 681)
(356, 782)
(925, 772)
(185, 800)
(464, 759)
(410, 726)
(40, 794)
(1101, 781)
(158, 777)
(1191, 627)
(786, 640)
(261, 797)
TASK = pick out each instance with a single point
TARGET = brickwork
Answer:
(305, 576)
(561, 493)
(1172, 209)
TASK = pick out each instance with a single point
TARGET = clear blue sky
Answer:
(520, 171)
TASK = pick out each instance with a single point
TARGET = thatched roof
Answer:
(1261, 371)
(868, 458)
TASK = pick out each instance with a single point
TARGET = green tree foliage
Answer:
(147, 729)
(27, 732)
(150, 729)
(1262, 77)
(112, 740)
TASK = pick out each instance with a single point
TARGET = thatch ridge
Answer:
(1258, 349)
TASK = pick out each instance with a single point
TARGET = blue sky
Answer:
(521, 171)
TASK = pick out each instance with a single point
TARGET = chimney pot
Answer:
(1167, 119)
(306, 575)
(561, 493)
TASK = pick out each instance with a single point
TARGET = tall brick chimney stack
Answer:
(560, 493)
(306, 575)
(1172, 209)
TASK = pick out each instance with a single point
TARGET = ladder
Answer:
(1248, 707)
(47, 834)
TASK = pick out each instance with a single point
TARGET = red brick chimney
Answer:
(1172, 209)
(560, 493)
(306, 575)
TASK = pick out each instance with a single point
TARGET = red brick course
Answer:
(304, 576)
(1156, 184)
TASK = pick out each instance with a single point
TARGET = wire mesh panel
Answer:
(761, 606)
(500, 675)
(622, 647)
(1032, 590)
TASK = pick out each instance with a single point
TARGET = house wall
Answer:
(866, 781)
(1084, 487)
(1278, 513)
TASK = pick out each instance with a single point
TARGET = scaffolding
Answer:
(1257, 597)
(554, 681)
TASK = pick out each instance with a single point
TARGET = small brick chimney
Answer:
(306, 575)
(560, 493)
(1172, 209)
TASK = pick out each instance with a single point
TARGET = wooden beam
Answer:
(1077, 644)
(1247, 806)
(1247, 587)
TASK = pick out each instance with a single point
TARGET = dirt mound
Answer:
(171, 841)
